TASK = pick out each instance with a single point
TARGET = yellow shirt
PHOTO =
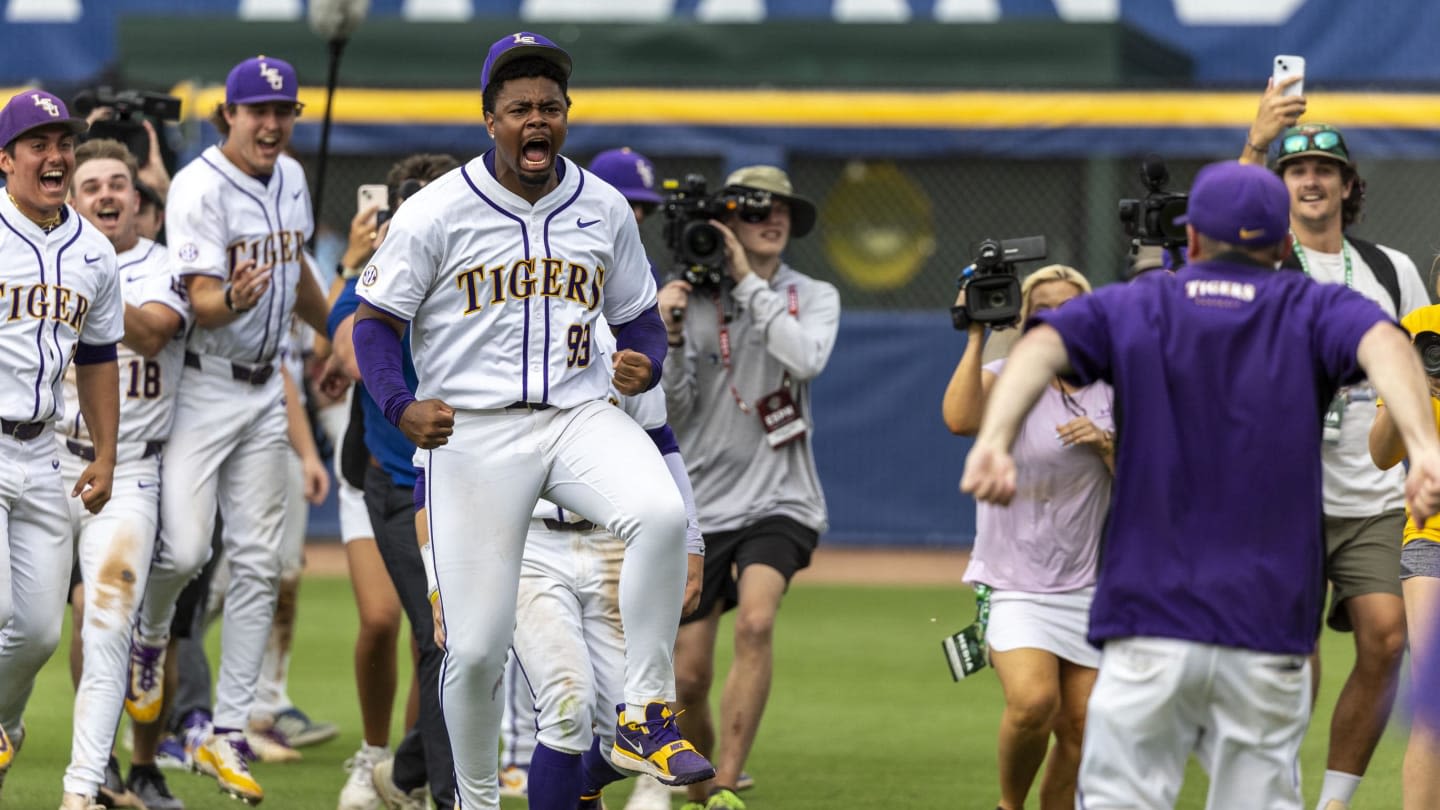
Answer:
(1424, 319)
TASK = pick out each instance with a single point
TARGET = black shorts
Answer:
(778, 542)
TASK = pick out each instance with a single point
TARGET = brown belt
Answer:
(24, 431)
(254, 375)
(87, 451)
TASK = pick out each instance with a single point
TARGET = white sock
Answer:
(1338, 786)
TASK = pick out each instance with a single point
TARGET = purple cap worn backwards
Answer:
(513, 46)
(260, 79)
(629, 172)
(33, 109)
(1239, 204)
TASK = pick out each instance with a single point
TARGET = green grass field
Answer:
(863, 713)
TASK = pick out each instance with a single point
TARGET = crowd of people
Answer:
(562, 469)
(494, 334)
(1229, 461)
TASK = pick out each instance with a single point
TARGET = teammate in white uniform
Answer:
(237, 219)
(501, 270)
(115, 547)
(569, 643)
(59, 285)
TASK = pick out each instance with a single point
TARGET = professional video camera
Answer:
(699, 248)
(1151, 219)
(1427, 343)
(991, 285)
(130, 107)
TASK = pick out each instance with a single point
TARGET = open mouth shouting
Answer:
(108, 212)
(53, 182)
(536, 156)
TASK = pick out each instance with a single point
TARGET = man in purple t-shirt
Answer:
(1222, 374)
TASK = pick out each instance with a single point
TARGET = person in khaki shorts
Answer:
(1364, 515)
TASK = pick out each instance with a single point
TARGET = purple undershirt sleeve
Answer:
(89, 354)
(664, 439)
(380, 356)
(645, 334)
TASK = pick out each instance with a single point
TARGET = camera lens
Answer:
(701, 243)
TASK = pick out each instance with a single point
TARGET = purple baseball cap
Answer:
(513, 46)
(628, 171)
(33, 109)
(1239, 204)
(260, 79)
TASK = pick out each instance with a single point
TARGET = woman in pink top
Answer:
(1038, 555)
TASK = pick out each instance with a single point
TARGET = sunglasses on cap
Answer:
(1322, 140)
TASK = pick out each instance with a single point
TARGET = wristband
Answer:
(230, 300)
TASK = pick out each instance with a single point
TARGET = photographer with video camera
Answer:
(125, 116)
(1419, 570)
(1035, 560)
(738, 393)
(1363, 505)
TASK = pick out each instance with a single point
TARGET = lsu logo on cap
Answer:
(646, 172)
(271, 75)
(46, 104)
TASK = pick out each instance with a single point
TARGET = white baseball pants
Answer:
(114, 548)
(35, 559)
(228, 448)
(481, 489)
(1157, 700)
(568, 638)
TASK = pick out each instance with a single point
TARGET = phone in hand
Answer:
(373, 194)
(1287, 66)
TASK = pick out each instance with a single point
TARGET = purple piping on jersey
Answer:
(279, 316)
(55, 330)
(142, 259)
(264, 338)
(525, 238)
(382, 310)
(579, 187)
(40, 331)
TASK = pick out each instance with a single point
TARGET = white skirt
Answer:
(1054, 622)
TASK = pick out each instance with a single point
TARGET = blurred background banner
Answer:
(918, 126)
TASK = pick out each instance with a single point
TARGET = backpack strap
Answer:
(1382, 267)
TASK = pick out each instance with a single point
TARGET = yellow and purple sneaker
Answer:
(654, 746)
(227, 758)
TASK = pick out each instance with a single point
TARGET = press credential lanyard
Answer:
(794, 307)
(1335, 414)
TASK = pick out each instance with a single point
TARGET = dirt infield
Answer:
(839, 566)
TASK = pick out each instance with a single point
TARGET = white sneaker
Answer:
(648, 795)
(359, 791)
(390, 793)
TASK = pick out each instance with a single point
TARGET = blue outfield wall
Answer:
(891, 470)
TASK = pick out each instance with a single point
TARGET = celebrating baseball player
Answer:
(115, 547)
(59, 284)
(500, 270)
(237, 218)
(1224, 372)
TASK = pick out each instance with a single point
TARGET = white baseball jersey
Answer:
(56, 289)
(217, 216)
(147, 386)
(505, 308)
